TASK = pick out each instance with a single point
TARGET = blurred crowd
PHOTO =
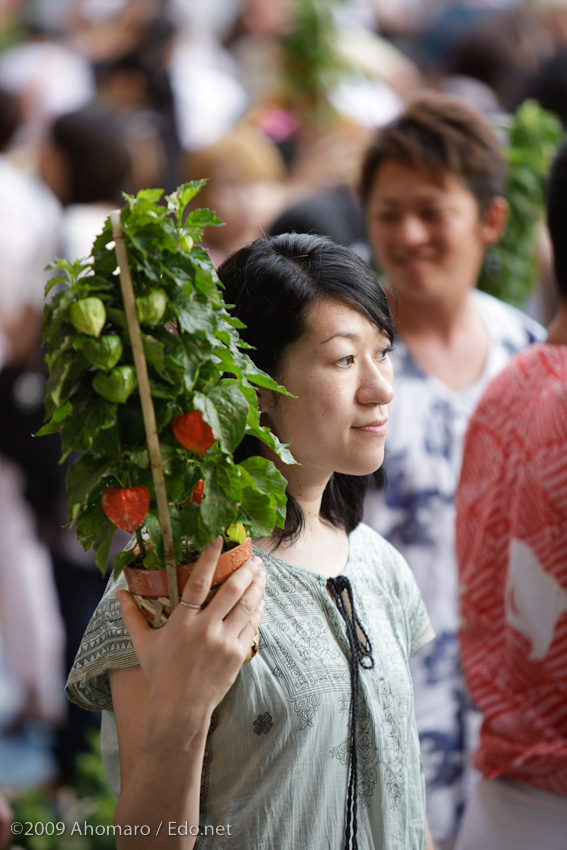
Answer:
(274, 102)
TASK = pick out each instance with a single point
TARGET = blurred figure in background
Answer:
(87, 164)
(431, 186)
(32, 643)
(47, 76)
(31, 630)
(138, 84)
(323, 188)
(29, 221)
(512, 551)
(245, 187)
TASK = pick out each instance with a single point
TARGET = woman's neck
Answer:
(320, 547)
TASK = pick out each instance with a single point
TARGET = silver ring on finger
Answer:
(190, 605)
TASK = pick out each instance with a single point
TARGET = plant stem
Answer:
(147, 406)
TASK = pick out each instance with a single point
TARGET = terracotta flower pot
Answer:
(153, 583)
(149, 587)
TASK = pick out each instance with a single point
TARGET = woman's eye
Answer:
(383, 353)
(345, 362)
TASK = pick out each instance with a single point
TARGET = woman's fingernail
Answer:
(121, 595)
(256, 562)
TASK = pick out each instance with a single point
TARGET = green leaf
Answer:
(79, 431)
(194, 317)
(179, 199)
(122, 559)
(88, 522)
(203, 218)
(117, 317)
(102, 544)
(73, 269)
(151, 195)
(152, 561)
(261, 379)
(140, 458)
(264, 499)
(54, 425)
(225, 408)
(509, 269)
(83, 476)
(57, 280)
(153, 526)
(262, 433)
(94, 530)
(260, 513)
(223, 491)
(189, 523)
(63, 380)
(265, 477)
(155, 352)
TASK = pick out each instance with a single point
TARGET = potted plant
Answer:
(151, 391)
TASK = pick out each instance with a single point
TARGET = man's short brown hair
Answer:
(443, 136)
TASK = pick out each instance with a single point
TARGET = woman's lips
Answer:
(378, 428)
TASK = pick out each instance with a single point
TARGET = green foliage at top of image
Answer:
(510, 267)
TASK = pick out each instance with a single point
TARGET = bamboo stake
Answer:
(148, 412)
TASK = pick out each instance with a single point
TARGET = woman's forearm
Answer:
(159, 807)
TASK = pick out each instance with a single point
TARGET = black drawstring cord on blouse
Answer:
(360, 655)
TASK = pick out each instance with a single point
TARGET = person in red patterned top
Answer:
(512, 554)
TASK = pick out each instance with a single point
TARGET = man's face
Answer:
(426, 233)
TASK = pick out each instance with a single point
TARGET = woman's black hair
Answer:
(272, 282)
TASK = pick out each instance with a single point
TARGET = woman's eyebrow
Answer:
(352, 335)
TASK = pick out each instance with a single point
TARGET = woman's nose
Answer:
(377, 386)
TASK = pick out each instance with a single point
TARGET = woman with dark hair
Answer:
(313, 744)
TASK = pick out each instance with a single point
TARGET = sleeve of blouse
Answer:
(417, 623)
(105, 646)
(421, 630)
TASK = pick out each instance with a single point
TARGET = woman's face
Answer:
(340, 372)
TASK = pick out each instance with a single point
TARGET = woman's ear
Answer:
(266, 399)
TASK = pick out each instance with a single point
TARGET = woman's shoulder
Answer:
(375, 563)
(367, 544)
(371, 552)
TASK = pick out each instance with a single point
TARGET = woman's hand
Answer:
(190, 664)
